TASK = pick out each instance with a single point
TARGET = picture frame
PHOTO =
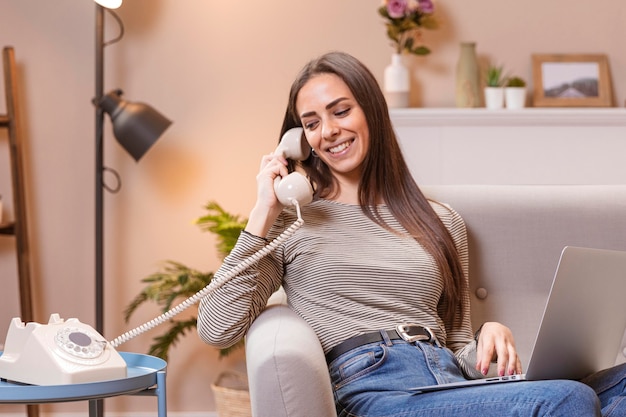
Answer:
(571, 80)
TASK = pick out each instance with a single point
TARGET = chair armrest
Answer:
(286, 367)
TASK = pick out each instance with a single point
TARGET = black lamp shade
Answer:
(136, 126)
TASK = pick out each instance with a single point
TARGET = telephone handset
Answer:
(294, 186)
(69, 352)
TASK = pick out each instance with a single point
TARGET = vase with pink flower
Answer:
(404, 21)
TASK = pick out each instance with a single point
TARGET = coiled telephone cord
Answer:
(214, 284)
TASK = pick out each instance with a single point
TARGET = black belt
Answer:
(408, 332)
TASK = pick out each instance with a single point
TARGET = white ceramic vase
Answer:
(515, 97)
(397, 83)
(494, 98)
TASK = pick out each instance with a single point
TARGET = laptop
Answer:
(583, 322)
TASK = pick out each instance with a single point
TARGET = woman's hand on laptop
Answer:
(495, 343)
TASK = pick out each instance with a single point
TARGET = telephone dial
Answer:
(71, 352)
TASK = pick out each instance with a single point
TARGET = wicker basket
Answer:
(232, 397)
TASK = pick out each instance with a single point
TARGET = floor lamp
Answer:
(136, 126)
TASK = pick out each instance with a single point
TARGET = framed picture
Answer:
(571, 81)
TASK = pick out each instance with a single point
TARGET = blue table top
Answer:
(141, 374)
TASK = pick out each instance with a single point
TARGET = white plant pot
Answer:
(515, 97)
(494, 97)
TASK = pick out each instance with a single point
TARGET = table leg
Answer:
(96, 408)
(161, 394)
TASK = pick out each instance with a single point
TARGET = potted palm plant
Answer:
(176, 282)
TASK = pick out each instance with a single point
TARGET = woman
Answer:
(377, 270)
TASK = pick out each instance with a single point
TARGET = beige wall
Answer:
(220, 70)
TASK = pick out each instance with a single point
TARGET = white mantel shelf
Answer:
(610, 116)
(527, 146)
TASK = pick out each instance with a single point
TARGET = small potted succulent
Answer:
(494, 87)
(515, 93)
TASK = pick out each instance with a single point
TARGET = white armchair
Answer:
(516, 234)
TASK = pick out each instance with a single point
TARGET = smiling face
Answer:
(335, 126)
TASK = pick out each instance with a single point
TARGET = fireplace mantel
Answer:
(527, 146)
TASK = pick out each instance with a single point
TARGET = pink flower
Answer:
(426, 6)
(396, 8)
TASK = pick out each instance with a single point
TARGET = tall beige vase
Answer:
(468, 93)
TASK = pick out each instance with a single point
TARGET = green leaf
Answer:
(226, 226)
(227, 351)
(515, 82)
(420, 50)
(162, 344)
(382, 10)
(134, 304)
(429, 22)
(494, 76)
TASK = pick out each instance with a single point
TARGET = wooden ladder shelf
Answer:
(17, 227)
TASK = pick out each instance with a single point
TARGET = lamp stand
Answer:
(99, 282)
(99, 190)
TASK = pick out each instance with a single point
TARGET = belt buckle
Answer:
(405, 329)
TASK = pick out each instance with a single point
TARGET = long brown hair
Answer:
(385, 173)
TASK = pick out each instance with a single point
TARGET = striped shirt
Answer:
(344, 275)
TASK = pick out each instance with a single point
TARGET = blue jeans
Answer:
(374, 380)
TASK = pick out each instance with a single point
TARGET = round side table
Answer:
(145, 376)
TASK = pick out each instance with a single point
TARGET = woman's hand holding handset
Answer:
(276, 188)
(267, 207)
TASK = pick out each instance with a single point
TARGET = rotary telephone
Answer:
(71, 352)
(61, 352)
